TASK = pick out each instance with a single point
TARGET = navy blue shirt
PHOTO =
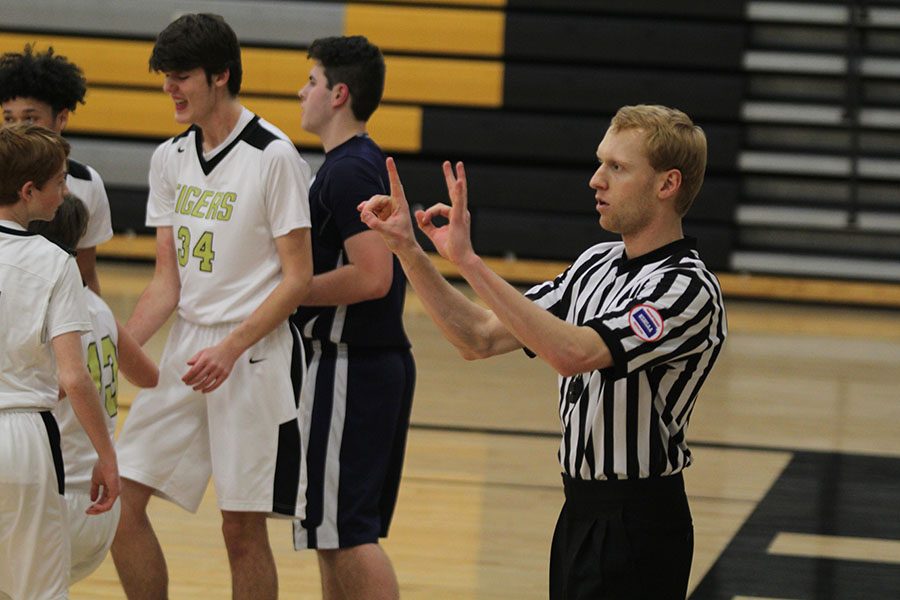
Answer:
(351, 173)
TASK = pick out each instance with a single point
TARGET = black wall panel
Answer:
(460, 134)
(549, 189)
(712, 9)
(129, 209)
(564, 237)
(715, 96)
(535, 234)
(614, 40)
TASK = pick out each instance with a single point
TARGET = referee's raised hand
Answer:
(453, 241)
(389, 215)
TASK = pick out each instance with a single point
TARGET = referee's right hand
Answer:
(389, 215)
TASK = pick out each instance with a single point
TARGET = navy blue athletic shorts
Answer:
(355, 409)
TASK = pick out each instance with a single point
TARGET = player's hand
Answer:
(389, 215)
(209, 368)
(105, 486)
(453, 241)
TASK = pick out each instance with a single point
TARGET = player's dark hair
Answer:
(68, 225)
(28, 153)
(199, 40)
(357, 63)
(44, 76)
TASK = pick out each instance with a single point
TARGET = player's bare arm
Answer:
(81, 392)
(134, 363)
(87, 266)
(161, 296)
(211, 366)
(569, 349)
(367, 276)
(472, 329)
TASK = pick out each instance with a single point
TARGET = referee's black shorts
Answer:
(625, 539)
(355, 442)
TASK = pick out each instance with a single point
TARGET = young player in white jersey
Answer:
(632, 328)
(43, 88)
(109, 350)
(42, 316)
(229, 202)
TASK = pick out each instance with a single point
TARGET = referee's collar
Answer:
(685, 244)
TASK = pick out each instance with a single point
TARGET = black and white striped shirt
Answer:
(663, 319)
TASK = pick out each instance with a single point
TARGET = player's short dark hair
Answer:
(68, 225)
(199, 40)
(44, 76)
(357, 63)
(28, 153)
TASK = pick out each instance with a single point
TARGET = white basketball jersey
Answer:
(225, 210)
(40, 298)
(101, 352)
(85, 183)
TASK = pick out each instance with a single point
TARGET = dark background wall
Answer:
(798, 99)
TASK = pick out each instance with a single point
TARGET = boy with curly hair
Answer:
(42, 88)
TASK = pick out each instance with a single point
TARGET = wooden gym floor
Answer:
(795, 489)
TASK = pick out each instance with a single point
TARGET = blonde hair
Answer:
(672, 141)
(28, 153)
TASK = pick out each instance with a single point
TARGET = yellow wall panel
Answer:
(121, 62)
(281, 72)
(432, 30)
(126, 112)
(444, 81)
(140, 113)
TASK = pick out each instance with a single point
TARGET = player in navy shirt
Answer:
(357, 396)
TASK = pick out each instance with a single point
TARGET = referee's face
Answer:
(624, 182)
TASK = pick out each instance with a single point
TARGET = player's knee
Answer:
(244, 531)
(134, 498)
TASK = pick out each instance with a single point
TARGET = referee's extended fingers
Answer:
(436, 210)
(459, 192)
(394, 178)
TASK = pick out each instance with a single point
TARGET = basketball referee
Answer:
(633, 328)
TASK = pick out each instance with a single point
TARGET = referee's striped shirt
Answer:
(663, 319)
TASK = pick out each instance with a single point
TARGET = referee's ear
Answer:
(670, 184)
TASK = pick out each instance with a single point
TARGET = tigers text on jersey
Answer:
(40, 298)
(100, 351)
(85, 183)
(226, 208)
(662, 317)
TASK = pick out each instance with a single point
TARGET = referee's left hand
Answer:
(453, 241)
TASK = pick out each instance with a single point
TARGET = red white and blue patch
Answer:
(646, 322)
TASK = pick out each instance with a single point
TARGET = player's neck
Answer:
(17, 213)
(220, 123)
(338, 131)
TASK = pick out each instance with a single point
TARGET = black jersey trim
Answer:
(78, 170)
(19, 232)
(253, 134)
(54, 437)
(685, 244)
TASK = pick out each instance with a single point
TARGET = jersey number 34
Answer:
(203, 249)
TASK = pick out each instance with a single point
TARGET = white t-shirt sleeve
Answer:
(99, 228)
(67, 309)
(286, 177)
(161, 199)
